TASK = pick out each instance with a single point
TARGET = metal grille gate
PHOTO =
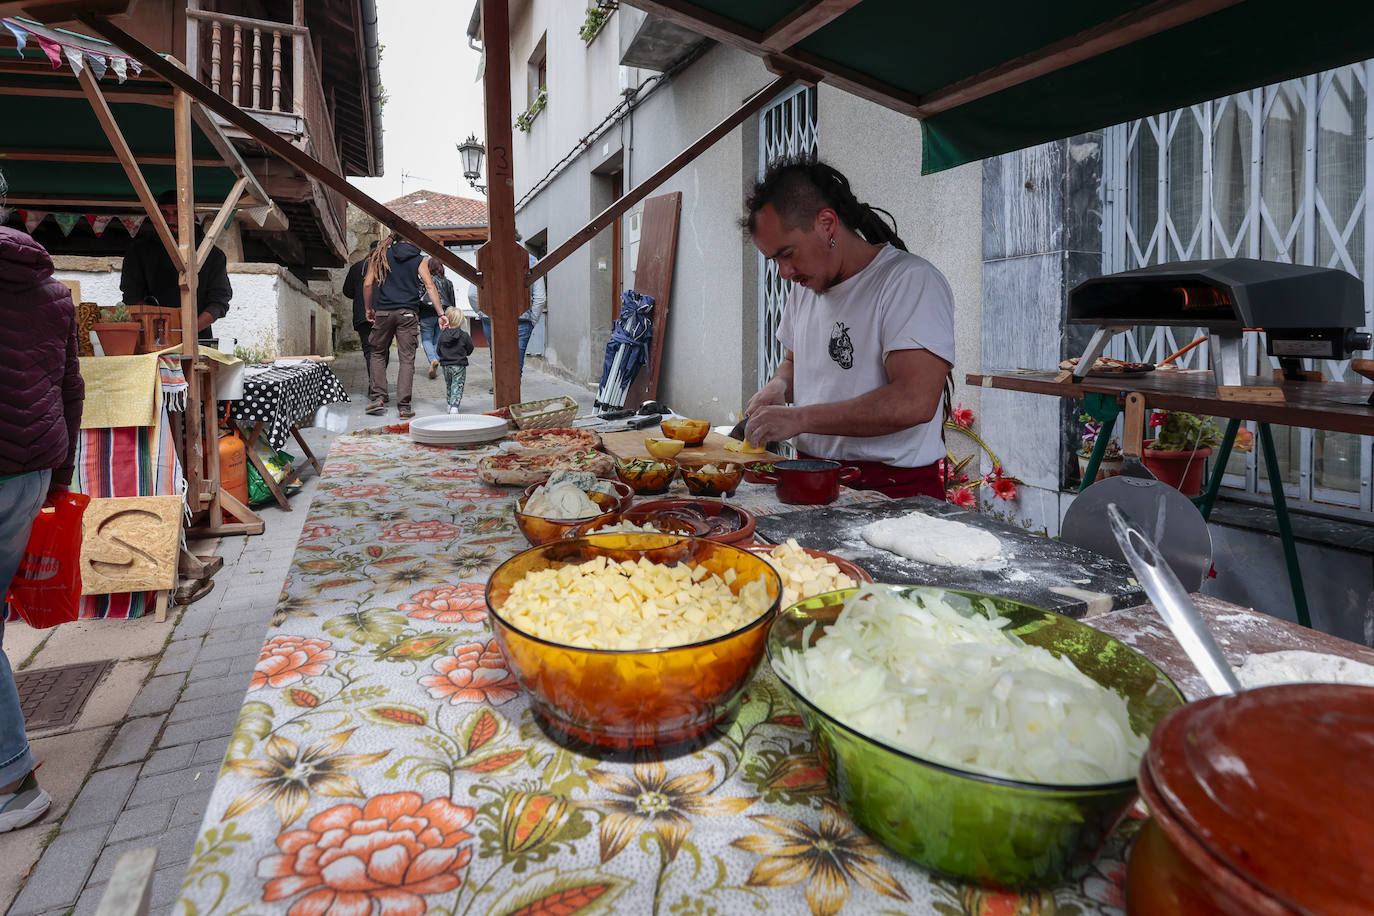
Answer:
(787, 128)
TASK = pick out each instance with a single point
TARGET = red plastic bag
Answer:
(46, 589)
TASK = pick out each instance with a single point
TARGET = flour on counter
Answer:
(1299, 667)
(927, 539)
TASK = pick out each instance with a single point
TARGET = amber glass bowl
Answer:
(539, 530)
(722, 479)
(648, 478)
(630, 698)
(625, 494)
(692, 432)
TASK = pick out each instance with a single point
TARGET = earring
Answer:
(832, 241)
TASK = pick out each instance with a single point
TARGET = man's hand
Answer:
(55, 490)
(772, 423)
(370, 315)
(204, 320)
(772, 394)
(443, 322)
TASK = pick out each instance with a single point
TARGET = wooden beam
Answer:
(642, 190)
(126, 159)
(1108, 36)
(53, 11)
(220, 221)
(118, 96)
(254, 193)
(173, 74)
(188, 277)
(805, 19)
(91, 156)
(502, 261)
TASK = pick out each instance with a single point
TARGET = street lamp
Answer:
(471, 151)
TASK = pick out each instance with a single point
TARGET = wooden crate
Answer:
(161, 327)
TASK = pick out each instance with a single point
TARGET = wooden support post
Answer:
(504, 292)
(197, 430)
(221, 219)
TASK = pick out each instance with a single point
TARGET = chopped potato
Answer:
(804, 575)
(603, 604)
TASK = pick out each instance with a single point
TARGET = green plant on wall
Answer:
(597, 16)
(524, 120)
(252, 354)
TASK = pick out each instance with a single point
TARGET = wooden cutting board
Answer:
(630, 444)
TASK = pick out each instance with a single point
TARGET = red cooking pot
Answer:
(808, 481)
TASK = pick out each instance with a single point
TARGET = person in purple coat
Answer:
(41, 393)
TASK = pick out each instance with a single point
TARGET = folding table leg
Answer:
(295, 431)
(250, 447)
(1290, 549)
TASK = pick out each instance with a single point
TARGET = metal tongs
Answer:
(1171, 600)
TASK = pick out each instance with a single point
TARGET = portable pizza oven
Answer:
(1304, 312)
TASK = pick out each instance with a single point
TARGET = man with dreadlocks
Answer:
(393, 287)
(868, 334)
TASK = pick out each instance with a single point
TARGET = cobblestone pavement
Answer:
(137, 768)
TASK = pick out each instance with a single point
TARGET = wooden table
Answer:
(1335, 406)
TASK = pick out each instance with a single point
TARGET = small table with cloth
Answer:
(277, 399)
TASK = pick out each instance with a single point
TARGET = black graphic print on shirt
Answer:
(841, 347)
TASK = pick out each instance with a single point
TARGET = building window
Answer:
(1277, 173)
(787, 128)
(538, 71)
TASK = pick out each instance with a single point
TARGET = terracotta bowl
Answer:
(726, 522)
(692, 432)
(848, 567)
(539, 530)
(634, 698)
(646, 478)
(667, 524)
(720, 481)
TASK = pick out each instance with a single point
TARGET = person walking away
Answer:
(147, 276)
(429, 318)
(41, 393)
(353, 289)
(538, 301)
(396, 276)
(454, 346)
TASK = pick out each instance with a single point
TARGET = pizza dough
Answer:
(937, 541)
(1299, 667)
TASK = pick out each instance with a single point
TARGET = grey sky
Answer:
(434, 98)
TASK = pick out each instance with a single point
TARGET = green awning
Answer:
(902, 53)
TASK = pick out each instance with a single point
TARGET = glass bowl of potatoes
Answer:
(632, 639)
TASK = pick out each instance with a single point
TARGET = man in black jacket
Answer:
(148, 277)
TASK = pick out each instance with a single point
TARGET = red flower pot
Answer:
(1180, 470)
(118, 338)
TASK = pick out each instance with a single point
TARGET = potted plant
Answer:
(118, 332)
(1110, 466)
(1178, 451)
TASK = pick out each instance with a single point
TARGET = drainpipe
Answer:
(368, 9)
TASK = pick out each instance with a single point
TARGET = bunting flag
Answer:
(66, 221)
(99, 222)
(32, 218)
(78, 52)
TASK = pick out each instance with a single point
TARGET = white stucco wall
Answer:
(270, 310)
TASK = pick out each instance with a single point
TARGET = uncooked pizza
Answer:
(1105, 365)
(539, 441)
(520, 470)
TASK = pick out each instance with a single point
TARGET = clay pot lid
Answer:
(1275, 785)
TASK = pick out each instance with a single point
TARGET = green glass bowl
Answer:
(971, 826)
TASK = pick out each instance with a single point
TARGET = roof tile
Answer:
(432, 210)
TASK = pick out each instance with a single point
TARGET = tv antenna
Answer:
(405, 176)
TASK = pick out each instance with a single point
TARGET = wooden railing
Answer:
(251, 62)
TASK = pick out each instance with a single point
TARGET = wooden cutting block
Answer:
(630, 444)
(130, 544)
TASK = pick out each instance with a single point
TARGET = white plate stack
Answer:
(457, 429)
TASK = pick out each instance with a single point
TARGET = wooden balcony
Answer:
(270, 70)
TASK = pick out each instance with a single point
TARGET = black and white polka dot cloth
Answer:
(285, 396)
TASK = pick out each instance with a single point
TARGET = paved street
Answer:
(137, 767)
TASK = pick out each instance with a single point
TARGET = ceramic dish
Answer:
(720, 480)
(848, 567)
(539, 530)
(726, 523)
(457, 429)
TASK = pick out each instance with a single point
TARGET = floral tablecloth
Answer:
(385, 763)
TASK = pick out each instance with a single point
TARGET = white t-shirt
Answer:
(840, 338)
